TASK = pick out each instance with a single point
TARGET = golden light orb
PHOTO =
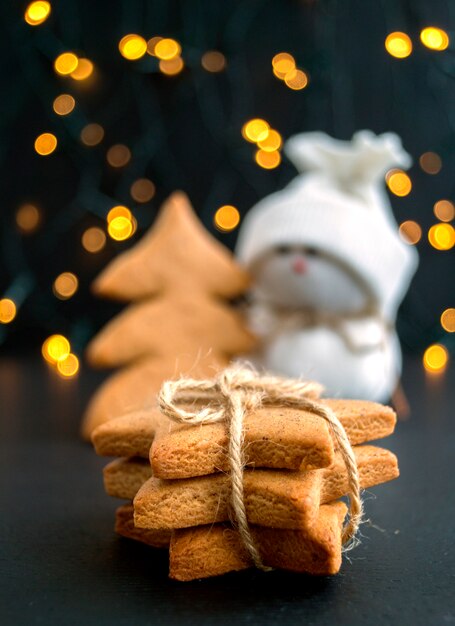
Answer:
(171, 67)
(132, 47)
(142, 190)
(120, 228)
(410, 232)
(434, 38)
(435, 358)
(398, 45)
(151, 44)
(430, 162)
(255, 130)
(282, 64)
(118, 155)
(213, 61)
(64, 104)
(448, 320)
(268, 160)
(119, 211)
(68, 366)
(28, 218)
(45, 144)
(167, 49)
(93, 239)
(92, 134)
(84, 69)
(8, 310)
(66, 63)
(55, 347)
(444, 210)
(442, 236)
(398, 182)
(226, 218)
(37, 12)
(272, 142)
(65, 285)
(296, 80)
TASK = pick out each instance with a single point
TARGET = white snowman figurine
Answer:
(329, 268)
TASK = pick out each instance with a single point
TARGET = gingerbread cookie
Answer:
(272, 497)
(124, 526)
(274, 437)
(217, 549)
(124, 477)
(271, 441)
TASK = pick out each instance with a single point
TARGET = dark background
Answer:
(185, 131)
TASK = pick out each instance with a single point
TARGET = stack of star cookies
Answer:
(177, 477)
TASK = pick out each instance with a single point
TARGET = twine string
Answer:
(228, 397)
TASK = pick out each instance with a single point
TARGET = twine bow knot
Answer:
(228, 397)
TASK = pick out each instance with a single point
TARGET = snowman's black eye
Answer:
(311, 251)
(283, 249)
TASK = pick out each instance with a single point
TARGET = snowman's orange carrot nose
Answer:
(299, 265)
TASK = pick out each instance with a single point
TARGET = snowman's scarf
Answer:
(279, 319)
(227, 398)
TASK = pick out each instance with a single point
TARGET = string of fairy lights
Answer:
(168, 56)
(441, 235)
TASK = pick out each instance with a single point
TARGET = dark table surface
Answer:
(60, 562)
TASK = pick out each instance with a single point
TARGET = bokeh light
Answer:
(282, 64)
(226, 218)
(296, 79)
(435, 358)
(444, 210)
(83, 70)
(118, 155)
(120, 228)
(45, 144)
(68, 366)
(8, 310)
(28, 218)
(255, 130)
(66, 63)
(430, 162)
(398, 45)
(442, 236)
(151, 44)
(64, 104)
(65, 285)
(142, 190)
(272, 142)
(448, 320)
(132, 47)
(55, 347)
(92, 134)
(213, 61)
(268, 160)
(167, 49)
(171, 67)
(37, 12)
(93, 239)
(398, 182)
(119, 211)
(410, 232)
(434, 38)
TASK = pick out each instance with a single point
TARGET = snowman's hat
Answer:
(339, 206)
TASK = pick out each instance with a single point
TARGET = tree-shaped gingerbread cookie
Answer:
(179, 280)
